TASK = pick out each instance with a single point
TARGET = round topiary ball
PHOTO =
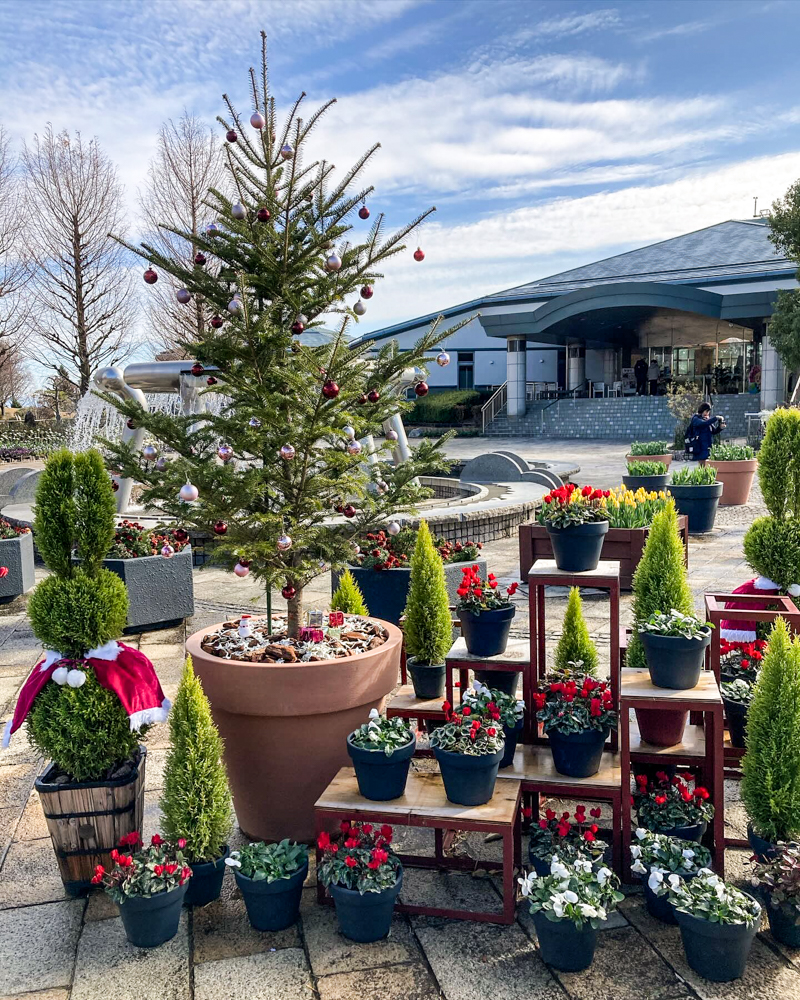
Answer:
(772, 548)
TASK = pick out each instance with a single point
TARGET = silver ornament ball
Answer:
(257, 120)
(183, 296)
(287, 452)
(394, 528)
(284, 543)
(189, 493)
(212, 229)
(254, 422)
(225, 452)
(359, 308)
(235, 306)
(238, 211)
(333, 262)
(167, 552)
(354, 448)
(443, 359)
(348, 431)
(241, 571)
(149, 452)
(355, 547)
(161, 464)
(287, 151)
(391, 435)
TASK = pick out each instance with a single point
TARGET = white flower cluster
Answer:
(586, 902)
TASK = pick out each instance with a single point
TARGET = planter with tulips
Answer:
(485, 613)
(469, 748)
(381, 750)
(557, 836)
(577, 712)
(670, 806)
(662, 861)
(271, 877)
(504, 708)
(577, 523)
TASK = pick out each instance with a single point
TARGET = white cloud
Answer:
(577, 24)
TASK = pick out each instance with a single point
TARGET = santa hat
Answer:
(745, 631)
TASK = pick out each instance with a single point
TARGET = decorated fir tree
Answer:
(428, 627)
(288, 472)
(575, 643)
(348, 597)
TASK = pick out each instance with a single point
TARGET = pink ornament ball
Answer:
(241, 570)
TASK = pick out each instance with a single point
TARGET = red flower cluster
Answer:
(384, 551)
(133, 874)
(556, 834)
(569, 505)
(572, 704)
(564, 494)
(476, 595)
(365, 857)
(667, 802)
(741, 660)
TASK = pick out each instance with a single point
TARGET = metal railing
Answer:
(493, 406)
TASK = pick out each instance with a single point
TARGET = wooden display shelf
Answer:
(636, 687)
(515, 657)
(407, 705)
(716, 612)
(692, 746)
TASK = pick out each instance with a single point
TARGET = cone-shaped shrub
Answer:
(348, 596)
(428, 627)
(771, 781)
(779, 464)
(196, 803)
(659, 583)
(575, 643)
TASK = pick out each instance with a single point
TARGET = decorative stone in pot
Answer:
(577, 755)
(153, 920)
(16, 554)
(563, 945)
(577, 548)
(272, 905)
(381, 776)
(468, 780)
(428, 678)
(699, 504)
(486, 634)
(673, 661)
(367, 916)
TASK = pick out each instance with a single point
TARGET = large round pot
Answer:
(765, 850)
(673, 661)
(563, 945)
(577, 755)
(577, 548)
(381, 777)
(428, 678)
(468, 781)
(660, 906)
(699, 504)
(737, 478)
(486, 634)
(499, 680)
(272, 906)
(512, 738)
(649, 483)
(285, 727)
(717, 952)
(151, 920)
(782, 923)
(205, 885)
(666, 458)
(365, 916)
(661, 727)
(736, 714)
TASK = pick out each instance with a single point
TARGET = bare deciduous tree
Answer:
(187, 163)
(15, 379)
(80, 276)
(13, 272)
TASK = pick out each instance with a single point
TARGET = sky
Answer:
(547, 134)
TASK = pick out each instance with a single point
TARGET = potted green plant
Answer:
(778, 879)
(662, 861)
(554, 836)
(736, 697)
(646, 475)
(196, 801)
(569, 906)
(16, 555)
(736, 466)
(485, 617)
(675, 646)
(718, 923)
(652, 451)
(740, 663)
(696, 493)
(577, 713)
(381, 750)
(348, 597)
(469, 748)
(670, 806)
(576, 522)
(428, 629)
(575, 644)
(148, 884)
(498, 706)
(771, 766)
(364, 876)
(270, 878)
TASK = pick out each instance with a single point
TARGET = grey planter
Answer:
(17, 555)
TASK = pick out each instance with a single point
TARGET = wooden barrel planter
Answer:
(86, 820)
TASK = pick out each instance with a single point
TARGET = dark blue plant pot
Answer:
(674, 662)
(782, 924)
(151, 920)
(649, 483)
(428, 678)
(692, 833)
(379, 777)
(468, 781)
(205, 885)
(486, 634)
(499, 680)
(765, 850)
(272, 906)
(512, 738)
(577, 755)
(539, 865)
(699, 504)
(736, 714)
(576, 549)
(563, 945)
(368, 916)
(660, 906)
(717, 952)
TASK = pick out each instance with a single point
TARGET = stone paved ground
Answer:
(54, 948)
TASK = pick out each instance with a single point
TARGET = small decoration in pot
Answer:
(670, 805)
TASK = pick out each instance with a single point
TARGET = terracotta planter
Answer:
(738, 479)
(285, 727)
(666, 459)
(661, 727)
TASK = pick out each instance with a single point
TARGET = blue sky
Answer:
(548, 134)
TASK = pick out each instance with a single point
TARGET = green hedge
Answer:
(440, 407)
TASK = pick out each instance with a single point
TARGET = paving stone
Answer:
(40, 995)
(100, 906)
(154, 769)
(107, 964)
(8, 822)
(37, 946)
(30, 875)
(8, 691)
(280, 975)
(392, 982)
(221, 930)
(16, 781)
(19, 658)
(20, 750)
(450, 890)
(33, 825)
(151, 821)
(162, 636)
(168, 661)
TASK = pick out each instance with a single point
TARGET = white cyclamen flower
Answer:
(587, 910)
(526, 884)
(233, 862)
(583, 865)
(655, 880)
(636, 851)
(641, 833)
(638, 867)
(603, 875)
(674, 881)
(570, 896)
(557, 868)
(688, 852)
(374, 713)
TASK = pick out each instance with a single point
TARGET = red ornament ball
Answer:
(200, 259)
(419, 255)
(349, 511)
(362, 398)
(231, 136)
(181, 535)
(373, 396)
(363, 212)
(197, 369)
(339, 508)
(114, 485)
(130, 424)
(297, 327)
(220, 527)
(211, 380)
(263, 215)
(150, 276)
(421, 388)
(288, 592)
(367, 292)
(216, 322)
(330, 390)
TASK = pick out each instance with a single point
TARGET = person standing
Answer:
(653, 372)
(640, 373)
(700, 432)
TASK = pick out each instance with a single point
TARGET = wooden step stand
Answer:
(425, 805)
(700, 750)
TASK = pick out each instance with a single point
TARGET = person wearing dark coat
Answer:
(640, 373)
(701, 430)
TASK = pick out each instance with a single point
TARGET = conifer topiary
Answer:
(196, 803)
(779, 464)
(428, 627)
(575, 643)
(659, 583)
(348, 597)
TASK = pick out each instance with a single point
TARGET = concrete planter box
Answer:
(17, 555)
(385, 591)
(623, 544)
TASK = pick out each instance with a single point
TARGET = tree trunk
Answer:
(295, 613)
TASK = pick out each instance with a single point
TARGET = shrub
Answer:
(428, 628)
(647, 469)
(575, 644)
(700, 475)
(772, 548)
(196, 803)
(779, 464)
(771, 768)
(659, 583)
(649, 448)
(269, 862)
(724, 451)
(348, 596)
(440, 407)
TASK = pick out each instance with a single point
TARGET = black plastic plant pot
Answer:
(365, 916)
(272, 906)
(512, 738)
(765, 850)
(699, 504)
(468, 781)
(486, 634)
(428, 679)
(381, 778)
(693, 833)
(563, 945)
(205, 885)
(674, 662)
(540, 866)
(152, 920)
(660, 906)
(499, 680)
(649, 483)
(577, 755)
(782, 924)
(717, 952)
(577, 549)
(736, 714)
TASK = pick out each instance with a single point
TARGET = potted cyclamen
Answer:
(554, 836)
(270, 878)
(469, 748)
(577, 712)
(149, 885)
(662, 861)
(675, 646)
(739, 667)
(718, 923)
(569, 906)
(499, 707)
(485, 614)
(696, 493)
(779, 881)
(381, 750)
(736, 466)
(16, 557)
(736, 697)
(364, 877)
(576, 522)
(668, 805)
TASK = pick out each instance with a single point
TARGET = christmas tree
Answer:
(288, 472)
